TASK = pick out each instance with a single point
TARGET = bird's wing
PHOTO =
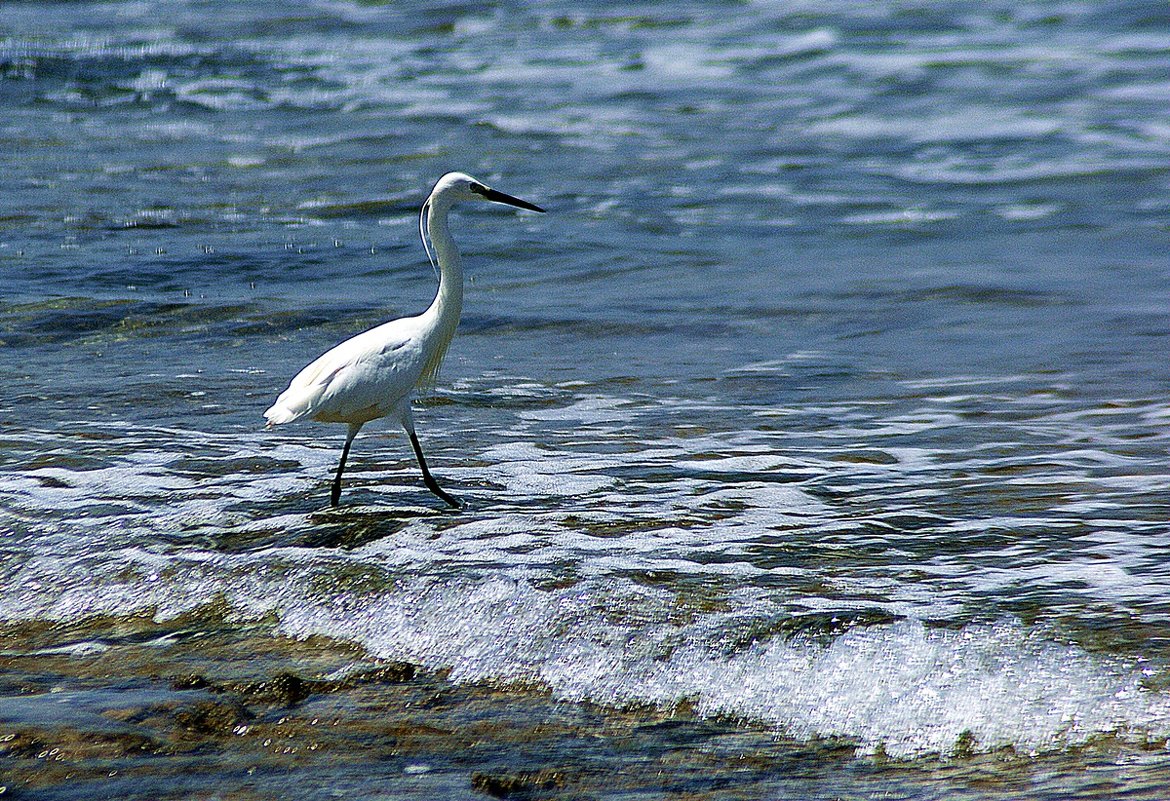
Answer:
(363, 377)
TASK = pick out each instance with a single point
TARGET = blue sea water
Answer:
(832, 394)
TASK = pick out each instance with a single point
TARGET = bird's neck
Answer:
(448, 303)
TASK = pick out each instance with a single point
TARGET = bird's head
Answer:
(456, 186)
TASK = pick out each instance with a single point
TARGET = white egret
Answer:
(375, 373)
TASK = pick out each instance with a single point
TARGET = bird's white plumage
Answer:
(362, 379)
(373, 374)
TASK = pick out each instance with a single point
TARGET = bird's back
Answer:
(363, 378)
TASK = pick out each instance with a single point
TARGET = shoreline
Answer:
(131, 708)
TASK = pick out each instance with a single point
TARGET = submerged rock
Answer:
(215, 718)
(522, 784)
(283, 689)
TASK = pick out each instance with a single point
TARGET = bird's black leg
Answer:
(428, 479)
(335, 493)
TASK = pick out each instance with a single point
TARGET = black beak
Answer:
(499, 197)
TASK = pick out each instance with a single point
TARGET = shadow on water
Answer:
(348, 526)
(369, 517)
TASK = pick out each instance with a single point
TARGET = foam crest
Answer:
(904, 689)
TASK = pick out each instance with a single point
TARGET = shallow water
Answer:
(829, 398)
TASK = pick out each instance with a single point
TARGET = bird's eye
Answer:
(477, 188)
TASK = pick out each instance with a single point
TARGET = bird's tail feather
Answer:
(278, 414)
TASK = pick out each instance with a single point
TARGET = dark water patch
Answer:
(207, 468)
(95, 321)
(304, 520)
(288, 690)
(875, 457)
(520, 396)
(64, 461)
(661, 474)
(590, 328)
(17, 222)
(358, 209)
(521, 784)
(816, 627)
(626, 526)
(988, 295)
(585, 20)
(65, 318)
(354, 526)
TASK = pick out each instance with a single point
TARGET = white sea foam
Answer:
(902, 688)
(658, 568)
